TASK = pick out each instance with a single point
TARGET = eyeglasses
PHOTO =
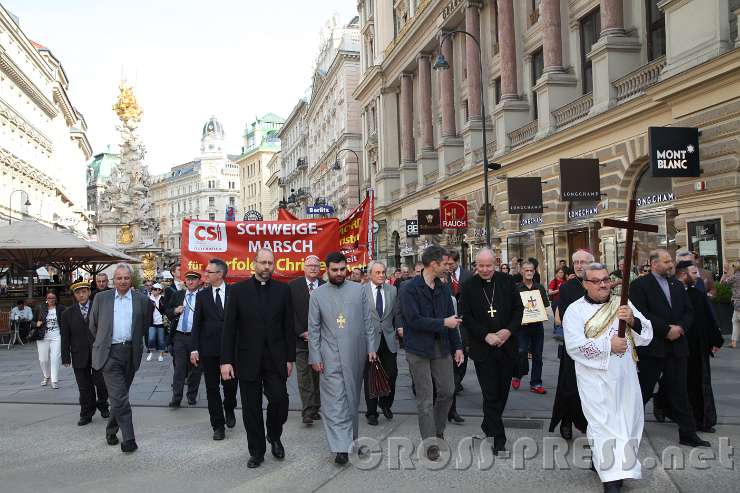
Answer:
(598, 281)
(213, 272)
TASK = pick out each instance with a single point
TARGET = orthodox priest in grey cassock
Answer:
(339, 335)
(606, 372)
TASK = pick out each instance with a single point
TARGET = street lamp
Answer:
(441, 64)
(10, 204)
(338, 166)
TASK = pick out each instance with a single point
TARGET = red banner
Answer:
(236, 243)
(286, 215)
(353, 235)
(453, 214)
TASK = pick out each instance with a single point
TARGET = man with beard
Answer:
(340, 340)
(607, 375)
(664, 301)
(566, 409)
(704, 340)
(492, 314)
(258, 348)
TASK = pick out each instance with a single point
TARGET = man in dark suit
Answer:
(492, 314)
(663, 300)
(180, 312)
(119, 319)
(386, 320)
(208, 322)
(308, 379)
(258, 347)
(77, 343)
(457, 275)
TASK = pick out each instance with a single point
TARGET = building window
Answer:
(534, 12)
(232, 201)
(655, 30)
(211, 201)
(497, 90)
(211, 216)
(590, 31)
(538, 68)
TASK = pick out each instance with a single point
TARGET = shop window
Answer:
(705, 240)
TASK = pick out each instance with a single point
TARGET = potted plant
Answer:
(723, 307)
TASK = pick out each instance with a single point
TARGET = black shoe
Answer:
(709, 429)
(192, 402)
(84, 420)
(566, 430)
(104, 413)
(316, 416)
(433, 453)
(693, 440)
(458, 388)
(612, 487)
(342, 458)
(255, 461)
(441, 436)
(219, 434)
(129, 446)
(658, 413)
(498, 448)
(111, 439)
(388, 413)
(175, 404)
(307, 420)
(372, 420)
(278, 451)
(453, 416)
(230, 418)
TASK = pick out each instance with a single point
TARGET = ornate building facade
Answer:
(204, 188)
(44, 148)
(261, 142)
(292, 179)
(576, 79)
(333, 122)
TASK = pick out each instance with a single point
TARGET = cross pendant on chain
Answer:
(492, 312)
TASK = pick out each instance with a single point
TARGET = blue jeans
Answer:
(156, 339)
(531, 338)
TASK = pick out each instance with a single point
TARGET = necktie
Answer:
(186, 314)
(83, 309)
(310, 287)
(455, 284)
(219, 305)
(379, 302)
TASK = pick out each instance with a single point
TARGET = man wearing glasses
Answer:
(308, 380)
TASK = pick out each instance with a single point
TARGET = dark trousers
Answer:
(273, 385)
(308, 383)
(673, 371)
(494, 376)
(118, 373)
(90, 382)
(184, 370)
(212, 375)
(531, 339)
(390, 366)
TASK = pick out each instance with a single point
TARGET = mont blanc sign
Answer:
(674, 151)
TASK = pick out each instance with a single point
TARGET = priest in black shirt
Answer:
(567, 409)
(492, 314)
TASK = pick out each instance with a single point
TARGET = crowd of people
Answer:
(335, 329)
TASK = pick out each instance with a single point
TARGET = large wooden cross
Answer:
(631, 226)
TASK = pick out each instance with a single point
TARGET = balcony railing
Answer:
(302, 163)
(635, 83)
(523, 134)
(573, 111)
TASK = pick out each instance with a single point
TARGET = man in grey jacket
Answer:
(118, 320)
(386, 321)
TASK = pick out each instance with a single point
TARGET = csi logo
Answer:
(207, 237)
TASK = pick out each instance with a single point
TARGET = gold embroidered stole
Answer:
(603, 319)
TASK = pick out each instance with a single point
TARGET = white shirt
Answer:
(21, 314)
(189, 305)
(123, 310)
(310, 283)
(156, 316)
(375, 294)
(52, 323)
(221, 294)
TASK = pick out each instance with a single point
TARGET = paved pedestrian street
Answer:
(42, 449)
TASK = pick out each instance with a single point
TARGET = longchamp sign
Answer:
(579, 180)
(237, 243)
(524, 194)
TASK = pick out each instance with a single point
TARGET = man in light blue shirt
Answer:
(123, 313)
(180, 312)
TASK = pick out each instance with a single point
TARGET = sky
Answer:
(188, 60)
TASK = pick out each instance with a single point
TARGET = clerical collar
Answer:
(594, 302)
(260, 282)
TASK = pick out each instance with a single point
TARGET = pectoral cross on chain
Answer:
(491, 311)
(341, 320)
(631, 226)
